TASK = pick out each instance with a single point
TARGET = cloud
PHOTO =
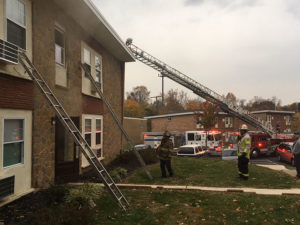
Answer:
(233, 4)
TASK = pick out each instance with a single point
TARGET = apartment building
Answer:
(58, 36)
(184, 121)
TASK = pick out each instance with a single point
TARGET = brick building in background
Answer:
(184, 121)
(134, 128)
(58, 35)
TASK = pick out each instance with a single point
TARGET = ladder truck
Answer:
(199, 89)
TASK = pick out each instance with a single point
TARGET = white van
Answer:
(211, 139)
(192, 151)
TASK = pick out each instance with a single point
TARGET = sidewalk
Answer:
(280, 168)
(258, 191)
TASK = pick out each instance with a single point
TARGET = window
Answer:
(88, 131)
(98, 70)
(98, 131)
(87, 60)
(16, 23)
(228, 122)
(59, 47)
(169, 118)
(191, 137)
(13, 144)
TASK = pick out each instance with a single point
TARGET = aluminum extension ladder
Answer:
(199, 89)
(75, 133)
(96, 86)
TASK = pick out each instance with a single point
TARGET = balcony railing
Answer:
(8, 52)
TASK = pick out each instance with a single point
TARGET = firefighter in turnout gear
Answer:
(164, 154)
(243, 152)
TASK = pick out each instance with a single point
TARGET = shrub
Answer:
(83, 196)
(56, 193)
(118, 173)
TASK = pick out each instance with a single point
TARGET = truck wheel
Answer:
(293, 162)
(254, 153)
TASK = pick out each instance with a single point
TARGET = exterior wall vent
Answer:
(7, 186)
(8, 52)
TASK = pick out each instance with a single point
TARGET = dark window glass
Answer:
(191, 137)
(88, 138)
(16, 34)
(98, 138)
(88, 68)
(186, 150)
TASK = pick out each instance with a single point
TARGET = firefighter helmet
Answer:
(167, 134)
(244, 127)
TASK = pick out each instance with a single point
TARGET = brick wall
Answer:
(15, 93)
(91, 105)
(134, 128)
(187, 122)
(45, 16)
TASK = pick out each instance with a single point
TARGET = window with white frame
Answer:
(269, 118)
(16, 22)
(287, 120)
(93, 126)
(228, 122)
(217, 122)
(88, 131)
(13, 142)
(98, 132)
(87, 60)
(98, 70)
(59, 47)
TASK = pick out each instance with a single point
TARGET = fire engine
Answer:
(259, 142)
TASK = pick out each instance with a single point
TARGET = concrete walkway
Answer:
(279, 168)
(258, 191)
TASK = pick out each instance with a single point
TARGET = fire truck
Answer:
(261, 143)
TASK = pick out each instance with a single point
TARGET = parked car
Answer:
(217, 151)
(284, 151)
(142, 147)
(192, 151)
(229, 154)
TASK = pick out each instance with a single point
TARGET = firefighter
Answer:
(243, 152)
(164, 154)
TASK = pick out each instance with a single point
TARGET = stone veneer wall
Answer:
(45, 15)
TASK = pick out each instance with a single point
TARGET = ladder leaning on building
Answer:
(73, 130)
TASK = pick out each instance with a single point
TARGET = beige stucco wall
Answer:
(17, 70)
(22, 172)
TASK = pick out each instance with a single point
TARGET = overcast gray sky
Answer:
(248, 47)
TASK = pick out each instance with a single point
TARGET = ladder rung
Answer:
(38, 80)
(65, 118)
(74, 131)
(120, 198)
(48, 93)
(57, 106)
(111, 184)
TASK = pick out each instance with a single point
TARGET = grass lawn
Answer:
(214, 172)
(157, 207)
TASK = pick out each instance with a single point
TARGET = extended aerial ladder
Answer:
(73, 130)
(204, 92)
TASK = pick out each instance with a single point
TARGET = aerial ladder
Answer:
(226, 105)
